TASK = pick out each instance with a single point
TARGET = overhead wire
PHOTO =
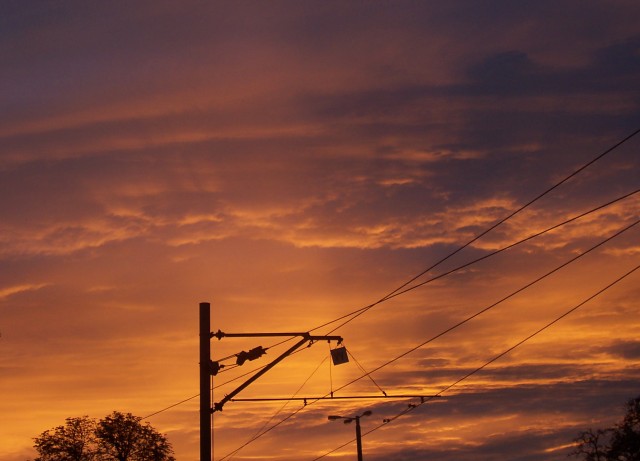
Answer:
(467, 264)
(412, 407)
(256, 434)
(405, 287)
(366, 373)
(266, 431)
(503, 299)
(357, 313)
(413, 287)
(458, 324)
(401, 289)
(171, 406)
(486, 256)
(354, 314)
(492, 227)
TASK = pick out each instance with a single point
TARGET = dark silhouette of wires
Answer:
(489, 229)
(405, 287)
(453, 327)
(259, 432)
(357, 313)
(413, 287)
(412, 407)
(505, 298)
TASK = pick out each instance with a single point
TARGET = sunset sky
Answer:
(291, 162)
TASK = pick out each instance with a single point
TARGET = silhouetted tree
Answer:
(117, 437)
(75, 441)
(625, 442)
(593, 445)
(123, 438)
(618, 443)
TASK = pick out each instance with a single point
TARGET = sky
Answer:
(292, 162)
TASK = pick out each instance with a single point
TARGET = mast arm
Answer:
(218, 406)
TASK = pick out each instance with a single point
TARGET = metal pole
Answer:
(358, 438)
(205, 382)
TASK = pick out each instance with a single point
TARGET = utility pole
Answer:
(205, 382)
(209, 368)
(347, 420)
(358, 438)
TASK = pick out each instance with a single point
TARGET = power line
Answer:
(412, 407)
(492, 227)
(355, 314)
(463, 266)
(257, 436)
(257, 433)
(400, 288)
(482, 311)
(512, 294)
(488, 255)
(413, 287)
(368, 374)
(171, 406)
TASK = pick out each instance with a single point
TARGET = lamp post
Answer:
(347, 420)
